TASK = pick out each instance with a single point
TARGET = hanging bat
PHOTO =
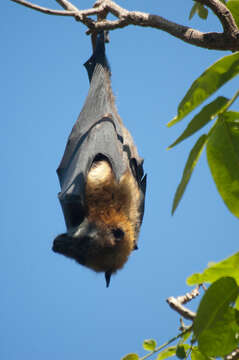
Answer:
(101, 178)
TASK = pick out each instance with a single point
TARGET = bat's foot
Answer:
(107, 277)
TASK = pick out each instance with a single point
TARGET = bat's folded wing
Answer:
(101, 138)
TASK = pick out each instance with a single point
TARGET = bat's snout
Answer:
(75, 248)
(61, 244)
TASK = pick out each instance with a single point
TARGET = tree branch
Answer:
(177, 303)
(227, 40)
(223, 14)
(182, 310)
(67, 5)
(213, 40)
(233, 356)
(43, 9)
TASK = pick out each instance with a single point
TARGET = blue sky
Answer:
(52, 308)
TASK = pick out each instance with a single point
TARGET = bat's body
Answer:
(101, 178)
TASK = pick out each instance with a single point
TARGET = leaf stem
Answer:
(166, 343)
(230, 102)
(189, 352)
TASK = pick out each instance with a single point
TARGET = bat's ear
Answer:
(107, 277)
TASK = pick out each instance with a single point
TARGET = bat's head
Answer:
(97, 246)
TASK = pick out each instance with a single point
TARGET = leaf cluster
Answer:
(222, 140)
(216, 326)
(215, 329)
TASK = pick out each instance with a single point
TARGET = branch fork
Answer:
(177, 303)
(226, 40)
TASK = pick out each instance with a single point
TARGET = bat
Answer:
(101, 178)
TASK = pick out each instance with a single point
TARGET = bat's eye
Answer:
(118, 234)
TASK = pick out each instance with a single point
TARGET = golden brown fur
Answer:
(111, 205)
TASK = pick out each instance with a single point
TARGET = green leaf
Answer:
(222, 338)
(181, 350)
(202, 118)
(185, 336)
(227, 267)
(149, 344)
(197, 355)
(214, 302)
(215, 324)
(211, 80)
(131, 357)
(236, 313)
(193, 11)
(223, 159)
(237, 303)
(232, 116)
(166, 353)
(202, 12)
(187, 172)
(233, 6)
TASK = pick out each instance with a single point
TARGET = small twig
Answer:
(43, 9)
(233, 356)
(182, 310)
(79, 15)
(176, 303)
(182, 325)
(188, 296)
(67, 5)
(166, 344)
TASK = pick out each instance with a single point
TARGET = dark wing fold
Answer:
(96, 131)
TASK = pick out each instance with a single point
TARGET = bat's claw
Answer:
(107, 277)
